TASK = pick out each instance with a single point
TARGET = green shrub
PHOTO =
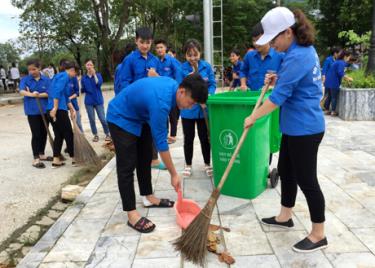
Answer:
(360, 80)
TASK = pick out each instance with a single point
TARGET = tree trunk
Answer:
(371, 55)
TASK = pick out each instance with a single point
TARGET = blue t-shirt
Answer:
(60, 90)
(135, 67)
(170, 67)
(335, 75)
(74, 89)
(205, 70)
(254, 69)
(94, 95)
(42, 86)
(298, 92)
(148, 100)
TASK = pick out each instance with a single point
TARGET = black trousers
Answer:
(173, 121)
(38, 135)
(298, 166)
(132, 153)
(4, 84)
(188, 126)
(62, 129)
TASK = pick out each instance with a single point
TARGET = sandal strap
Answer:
(141, 223)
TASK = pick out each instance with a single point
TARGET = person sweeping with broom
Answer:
(57, 108)
(136, 117)
(297, 92)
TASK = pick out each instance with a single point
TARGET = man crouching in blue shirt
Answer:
(136, 116)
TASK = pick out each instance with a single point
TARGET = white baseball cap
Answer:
(274, 22)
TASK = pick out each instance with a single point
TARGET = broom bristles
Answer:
(83, 151)
(193, 241)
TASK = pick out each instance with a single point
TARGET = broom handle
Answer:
(50, 139)
(242, 139)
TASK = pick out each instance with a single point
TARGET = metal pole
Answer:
(207, 24)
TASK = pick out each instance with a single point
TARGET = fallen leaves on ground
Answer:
(214, 244)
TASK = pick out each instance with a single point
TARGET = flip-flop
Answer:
(164, 203)
(39, 165)
(58, 165)
(160, 166)
(140, 226)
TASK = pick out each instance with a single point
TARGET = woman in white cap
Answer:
(297, 92)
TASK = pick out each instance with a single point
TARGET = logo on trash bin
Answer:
(228, 139)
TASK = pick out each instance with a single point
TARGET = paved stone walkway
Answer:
(93, 231)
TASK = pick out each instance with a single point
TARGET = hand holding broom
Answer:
(192, 242)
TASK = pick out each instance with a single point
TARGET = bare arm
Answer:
(266, 108)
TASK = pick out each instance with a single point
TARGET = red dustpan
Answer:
(186, 210)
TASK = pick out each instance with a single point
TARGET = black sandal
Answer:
(164, 203)
(39, 165)
(140, 226)
(58, 165)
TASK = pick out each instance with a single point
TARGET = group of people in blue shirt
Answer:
(149, 88)
(333, 72)
(47, 101)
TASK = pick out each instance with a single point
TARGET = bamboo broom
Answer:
(192, 242)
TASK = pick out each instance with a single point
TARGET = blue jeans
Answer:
(331, 100)
(78, 120)
(101, 114)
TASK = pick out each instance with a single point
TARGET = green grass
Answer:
(360, 80)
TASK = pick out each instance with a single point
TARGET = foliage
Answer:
(360, 80)
(8, 54)
(353, 38)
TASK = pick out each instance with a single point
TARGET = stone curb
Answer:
(49, 239)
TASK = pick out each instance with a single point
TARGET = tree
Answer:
(111, 17)
(8, 54)
(371, 56)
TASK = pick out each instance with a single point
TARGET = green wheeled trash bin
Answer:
(227, 111)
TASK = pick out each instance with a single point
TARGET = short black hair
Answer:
(236, 51)
(62, 64)
(161, 41)
(198, 88)
(69, 65)
(192, 44)
(344, 53)
(257, 30)
(144, 33)
(34, 62)
(14, 64)
(335, 50)
(89, 59)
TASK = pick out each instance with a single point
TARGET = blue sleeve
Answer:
(100, 80)
(293, 69)
(23, 82)
(158, 118)
(59, 87)
(178, 76)
(325, 67)
(340, 70)
(76, 86)
(48, 85)
(211, 81)
(125, 74)
(245, 67)
(83, 88)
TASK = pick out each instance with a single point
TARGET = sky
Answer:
(8, 21)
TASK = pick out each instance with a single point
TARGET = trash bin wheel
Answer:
(274, 178)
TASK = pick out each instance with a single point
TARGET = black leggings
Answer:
(173, 121)
(298, 166)
(63, 131)
(132, 153)
(38, 135)
(188, 126)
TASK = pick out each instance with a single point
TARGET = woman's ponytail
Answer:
(303, 29)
